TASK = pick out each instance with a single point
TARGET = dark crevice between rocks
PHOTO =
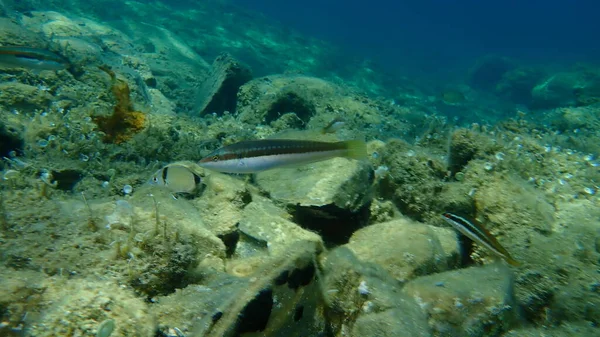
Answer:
(230, 241)
(301, 277)
(290, 102)
(10, 141)
(335, 225)
(224, 99)
(66, 179)
(298, 313)
(465, 246)
(282, 278)
(218, 93)
(216, 316)
(255, 316)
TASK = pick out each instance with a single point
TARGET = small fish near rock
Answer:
(179, 177)
(476, 232)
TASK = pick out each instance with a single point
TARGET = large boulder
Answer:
(331, 197)
(476, 301)
(406, 249)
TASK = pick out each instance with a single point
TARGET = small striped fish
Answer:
(261, 155)
(31, 58)
(179, 177)
(476, 232)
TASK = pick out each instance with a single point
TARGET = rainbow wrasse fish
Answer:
(476, 232)
(31, 58)
(259, 155)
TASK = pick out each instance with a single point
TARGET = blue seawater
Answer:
(431, 36)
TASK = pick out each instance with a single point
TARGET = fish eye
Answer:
(215, 158)
(155, 179)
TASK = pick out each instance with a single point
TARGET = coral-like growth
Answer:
(124, 121)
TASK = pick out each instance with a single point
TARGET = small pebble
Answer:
(127, 189)
(589, 190)
(363, 289)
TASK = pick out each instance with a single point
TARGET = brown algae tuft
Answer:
(124, 122)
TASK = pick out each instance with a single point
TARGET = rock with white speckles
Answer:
(264, 222)
(331, 197)
(477, 301)
(407, 249)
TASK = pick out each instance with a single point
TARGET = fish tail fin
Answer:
(357, 149)
(512, 261)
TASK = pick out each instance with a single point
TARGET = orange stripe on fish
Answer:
(31, 58)
(260, 155)
(476, 232)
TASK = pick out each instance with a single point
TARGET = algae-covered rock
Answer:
(551, 288)
(222, 202)
(165, 241)
(456, 197)
(476, 301)
(406, 249)
(265, 223)
(578, 87)
(265, 100)
(414, 179)
(11, 32)
(510, 203)
(281, 299)
(516, 84)
(218, 92)
(378, 324)
(340, 182)
(23, 97)
(557, 90)
(489, 71)
(85, 304)
(20, 294)
(465, 145)
(567, 329)
(330, 197)
(573, 118)
(363, 298)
